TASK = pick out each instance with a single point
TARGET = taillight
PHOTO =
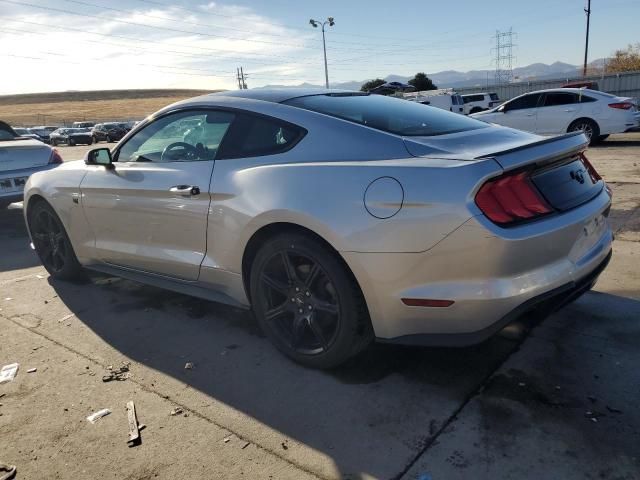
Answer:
(511, 198)
(55, 157)
(595, 176)
(621, 105)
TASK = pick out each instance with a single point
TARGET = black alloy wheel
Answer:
(306, 302)
(52, 243)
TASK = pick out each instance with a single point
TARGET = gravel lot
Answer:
(559, 400)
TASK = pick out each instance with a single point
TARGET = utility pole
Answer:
(240, 76)
(587, 10)
(244, 84)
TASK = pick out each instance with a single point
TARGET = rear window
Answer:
(393, 115)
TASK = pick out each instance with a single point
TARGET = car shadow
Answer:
(616, 143)
(15, 241)
(372, 416)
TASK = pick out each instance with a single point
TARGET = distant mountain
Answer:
(453, 78)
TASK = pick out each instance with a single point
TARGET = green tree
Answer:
(421, 82)
(371, 84)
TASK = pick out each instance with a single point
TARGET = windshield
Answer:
(388, 114)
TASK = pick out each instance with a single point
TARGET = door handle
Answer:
(185, 190)
(569, 110)
(530, 114)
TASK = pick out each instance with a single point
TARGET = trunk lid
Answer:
(23, 154)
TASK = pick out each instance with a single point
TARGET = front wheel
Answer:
(52, 243)
(71, 143)
(588, 126)
(307, 303)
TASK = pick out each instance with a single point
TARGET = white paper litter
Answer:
(8, 372)
(98, 415)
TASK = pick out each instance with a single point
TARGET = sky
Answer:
(126, 44)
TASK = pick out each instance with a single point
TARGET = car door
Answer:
(150, 212)
(519, 113)
(556, 111)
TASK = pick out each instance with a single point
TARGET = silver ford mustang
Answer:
(337, 216)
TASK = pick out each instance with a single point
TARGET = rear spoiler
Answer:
(542, 152)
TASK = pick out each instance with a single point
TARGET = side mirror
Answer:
(99, 156)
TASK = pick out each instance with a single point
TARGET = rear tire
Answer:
(588, 126)
(52, 243)
(307, 303)
(476, 110)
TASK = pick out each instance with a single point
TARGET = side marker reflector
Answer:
(426, 302)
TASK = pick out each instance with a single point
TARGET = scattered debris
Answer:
(8, 299)
(32, 370)
(176, 411)
(7, 471)
(97, 415)
(120, 374)
(613, 410)
(8, 372)
(226, 440)
(66, 317)
(245, 445)
(593, 416)
(188, 366)
(134, 429)
(40, 276)
(284, 445)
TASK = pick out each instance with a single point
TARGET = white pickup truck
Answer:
(19, 158)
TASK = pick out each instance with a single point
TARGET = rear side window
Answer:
(526, 101)
(493, 96)
(554, 99)
(393, 115)
(254, 136)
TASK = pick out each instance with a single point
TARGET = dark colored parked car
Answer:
(72, 136)
(108, 132)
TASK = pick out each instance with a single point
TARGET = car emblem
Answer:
(577, 175)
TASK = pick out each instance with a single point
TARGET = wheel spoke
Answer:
(327, 307)
(276, 285)
(297, 331)
(289, 268)
(317, 332)
(314, 271)
(276, 312)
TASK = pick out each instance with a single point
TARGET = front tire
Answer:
(307, 303)
(52, 243)
(72, 143)
(588, 126)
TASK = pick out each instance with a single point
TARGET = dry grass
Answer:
(66, 107)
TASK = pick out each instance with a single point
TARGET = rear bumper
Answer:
(488, 272)
(547, 302)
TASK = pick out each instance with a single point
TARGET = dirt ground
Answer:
(547, 398)
(65, 108)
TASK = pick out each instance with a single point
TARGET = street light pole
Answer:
(315, 23)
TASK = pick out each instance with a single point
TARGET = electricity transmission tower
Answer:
(503, 56)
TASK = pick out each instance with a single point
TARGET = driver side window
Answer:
(189, 136)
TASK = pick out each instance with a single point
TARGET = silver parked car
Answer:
(20, 157)
(337, 216)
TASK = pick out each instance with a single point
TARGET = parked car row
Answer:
(80, 133)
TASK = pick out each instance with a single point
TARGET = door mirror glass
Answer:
(99, 156)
